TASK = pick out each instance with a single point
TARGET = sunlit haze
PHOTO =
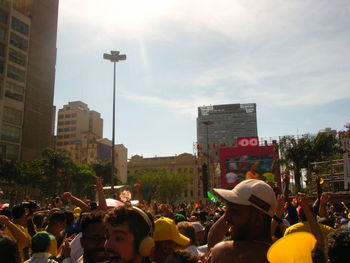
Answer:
(291, 58)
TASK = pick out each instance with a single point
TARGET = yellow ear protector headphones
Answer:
(147, 244)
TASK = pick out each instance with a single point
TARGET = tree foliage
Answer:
(54, 173)
(160, 184)
(298, 153)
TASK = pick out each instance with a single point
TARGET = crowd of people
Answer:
(252, 223)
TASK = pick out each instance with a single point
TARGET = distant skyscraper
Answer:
(28, 32)
(223, 124)
(77, 123)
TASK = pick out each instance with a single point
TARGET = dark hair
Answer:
(184, 256)
(57, 217)
(69, 217)
(126, 214)
(8, 250)
(18, 211)
(91, 218)
(187, 229)
(38, 219)
(339, 245)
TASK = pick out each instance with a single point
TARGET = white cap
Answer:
(251, 192)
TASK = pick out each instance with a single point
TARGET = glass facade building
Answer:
(221, 125)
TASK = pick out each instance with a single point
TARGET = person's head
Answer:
(128, 234)
(339, 246)
(250, 207)
(187, 229)
(19, 215)
(8, 250)
(93, 236)
(38, 220)
(181, 256)
(40, 242)
(58, 202)
(57, 222)
(168, 239)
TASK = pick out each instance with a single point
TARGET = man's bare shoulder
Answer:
(234, 252)
(222, 252)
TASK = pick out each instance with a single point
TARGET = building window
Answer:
(74, 115)
(59, 136)
(73, 128)
(2, 34)
(11, 151)
(60, 117)
(191, 193)
(3, 18)
(2, 50)
(19, 26)
(60, 123)
(16, 73)
(17, 57)
(67, 116)
(66, 129)
(2, 67)
(60, 130)
(59, 143)
(73, 122)
(12, 116)
(10, 133)
(14, 91)
(19, 42)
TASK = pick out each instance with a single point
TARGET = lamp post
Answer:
(113, 57)
(207, 124)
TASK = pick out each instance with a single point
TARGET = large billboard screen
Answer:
(240, 163)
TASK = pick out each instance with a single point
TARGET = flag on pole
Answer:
(212, 197)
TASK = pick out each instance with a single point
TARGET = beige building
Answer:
(77, 124)
(79, 131)
(28, 31)
(103, 152)
(184, 162)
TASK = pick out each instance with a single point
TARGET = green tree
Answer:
(103, 169)
(299, 153)
(160, 184)
(83, 181)
(58, 169)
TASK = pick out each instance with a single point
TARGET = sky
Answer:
(291, 58)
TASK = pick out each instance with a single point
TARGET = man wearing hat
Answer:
(250, 207)
(167, 239)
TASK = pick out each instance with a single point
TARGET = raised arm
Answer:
(315, 228)
(102, 204)
(323, 201)
(217, 232)
(281, 207)
(76, 201)
(16, 232)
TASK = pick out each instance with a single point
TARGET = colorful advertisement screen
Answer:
(243, 163)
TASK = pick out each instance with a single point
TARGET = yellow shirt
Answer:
(53, 245)
(305, 227)
(24, 252)
(252, 175)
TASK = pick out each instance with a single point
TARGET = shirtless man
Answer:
(250, 207)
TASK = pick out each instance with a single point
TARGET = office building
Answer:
(28, 32)
(221, 125)
(76, 122)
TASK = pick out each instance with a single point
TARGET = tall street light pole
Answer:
(207, 124)
(114, 57)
